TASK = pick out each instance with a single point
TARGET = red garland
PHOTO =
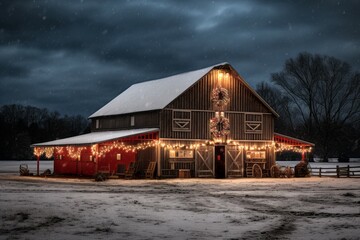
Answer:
(219, 127)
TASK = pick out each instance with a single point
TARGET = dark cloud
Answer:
(75, 56)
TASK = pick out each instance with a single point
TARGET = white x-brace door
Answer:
(235, 162)
(204, 160)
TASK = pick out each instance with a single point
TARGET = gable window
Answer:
(253, 123)
(181, 121)
(132, 121)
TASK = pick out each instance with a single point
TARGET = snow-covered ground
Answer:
(13, 166)
(320, 164)
(295, 208)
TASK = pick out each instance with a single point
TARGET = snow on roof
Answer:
(95, 137)
(152, 95)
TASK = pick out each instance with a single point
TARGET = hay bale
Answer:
(302, 169)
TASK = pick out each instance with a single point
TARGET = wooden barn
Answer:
(204, 123)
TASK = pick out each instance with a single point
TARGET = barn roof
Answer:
(157, 94)
(95, 137)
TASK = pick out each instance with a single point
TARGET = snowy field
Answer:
(13, 166)
(295, 208)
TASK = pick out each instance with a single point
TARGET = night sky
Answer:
(75, 56)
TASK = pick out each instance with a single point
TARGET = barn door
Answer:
(235, 162)
(204, 160)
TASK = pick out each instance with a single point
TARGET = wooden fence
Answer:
(348, 171)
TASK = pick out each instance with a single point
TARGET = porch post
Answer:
(158, 159)
(226, 161)
(302, 154)
(38, 166)
(97, 157)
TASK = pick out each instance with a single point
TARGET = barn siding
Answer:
(198, 96)
(197, 100)
(120, 122)
(200, 126)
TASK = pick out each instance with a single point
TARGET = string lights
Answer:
(48, 151)
(74, 152)
(59, 150)
(38, 151)
(102, 150)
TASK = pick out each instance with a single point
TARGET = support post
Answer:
(97, 157)
(226, 161)
(348, 170)
(38, 166)
(158, 159)
(337, 171)
(302, 154)
(319, 172)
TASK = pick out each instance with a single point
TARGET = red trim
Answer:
(139, 137)
(145, 136)
(280, 138)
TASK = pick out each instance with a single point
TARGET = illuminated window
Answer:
(255, 154)
(181, 154)
(118, 156)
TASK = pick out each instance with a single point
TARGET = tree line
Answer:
(21, 126)
(318, 99)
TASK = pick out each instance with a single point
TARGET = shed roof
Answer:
(281, 138)
(95, 137)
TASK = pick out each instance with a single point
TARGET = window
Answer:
(132, 121)
(253, 123)
(118, 156)
(181, 121)
(181, 154)
(97, 123)
(255, 154)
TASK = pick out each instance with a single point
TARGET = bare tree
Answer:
(281, 104)
(326, 93)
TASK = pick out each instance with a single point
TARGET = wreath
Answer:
(219, 127)
(220, 96)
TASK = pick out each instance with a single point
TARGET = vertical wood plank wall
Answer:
(197, 99)
(148, 119)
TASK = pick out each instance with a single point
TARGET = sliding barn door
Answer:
(234, 162)
(204, 160)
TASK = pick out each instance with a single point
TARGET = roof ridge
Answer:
(178, 74)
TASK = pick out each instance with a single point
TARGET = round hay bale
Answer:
(302, 169)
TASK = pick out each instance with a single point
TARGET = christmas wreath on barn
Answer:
(220, 96)
(219, 127)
